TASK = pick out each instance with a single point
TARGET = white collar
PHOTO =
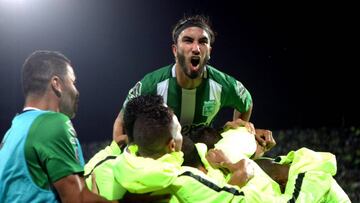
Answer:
(30, 108)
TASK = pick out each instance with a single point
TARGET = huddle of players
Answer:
(159, 164)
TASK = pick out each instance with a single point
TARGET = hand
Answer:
(240, 123)
(216, 158)
(265, 139)
(259, 152)
(244, 171)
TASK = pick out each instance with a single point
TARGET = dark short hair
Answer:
(151, 130)
(138, 105)
(207, 135)
(200, 21)
(191, 155)
(38, 69)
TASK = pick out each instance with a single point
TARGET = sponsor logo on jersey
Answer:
(209, 108)
(72, 132)
(73, 140)
(71, 129)
(187, 129)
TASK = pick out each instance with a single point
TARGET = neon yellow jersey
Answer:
(101, 164)
(142, 175)
(192, 185)
(237, 144)
(310, 177)
(255, 189)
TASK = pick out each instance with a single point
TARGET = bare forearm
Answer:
(242, 172)
(90, 197)
(119, 135)
(245, 116)
(72, 189)
(239, 178)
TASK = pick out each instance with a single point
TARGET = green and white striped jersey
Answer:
(199, 106)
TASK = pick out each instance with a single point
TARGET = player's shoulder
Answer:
(159, 74)
(52, 120)
(51, 116)
(219, 76)
(51, 127)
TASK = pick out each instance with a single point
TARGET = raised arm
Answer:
(242, 171)
(243, 116)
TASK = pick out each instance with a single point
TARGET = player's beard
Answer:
(187, 71)
(69, 103)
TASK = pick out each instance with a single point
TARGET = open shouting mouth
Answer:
(195, 60)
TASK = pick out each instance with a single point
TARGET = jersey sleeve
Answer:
(143, 87)
(55, 143)
(148, 84)
(236, 95)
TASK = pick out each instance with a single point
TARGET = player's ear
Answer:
(174, 49)
(171, 146)
(56, 86)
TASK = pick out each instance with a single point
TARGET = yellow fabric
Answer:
(105, 181)
(260, 184)
(305, 159)
(237, 144)
(188, 189)
(318, 185)
(143, 175)
(212, 172)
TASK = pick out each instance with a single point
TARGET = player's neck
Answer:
(185, 82)
(41, 102)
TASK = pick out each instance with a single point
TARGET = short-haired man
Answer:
(41, 159)
(102, 163)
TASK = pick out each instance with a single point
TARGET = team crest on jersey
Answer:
(209, 108)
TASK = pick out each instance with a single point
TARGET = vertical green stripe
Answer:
(188, 101)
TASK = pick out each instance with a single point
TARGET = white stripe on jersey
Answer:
(173, 71)
(162, 89)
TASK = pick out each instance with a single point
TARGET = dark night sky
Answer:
(295, 58)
